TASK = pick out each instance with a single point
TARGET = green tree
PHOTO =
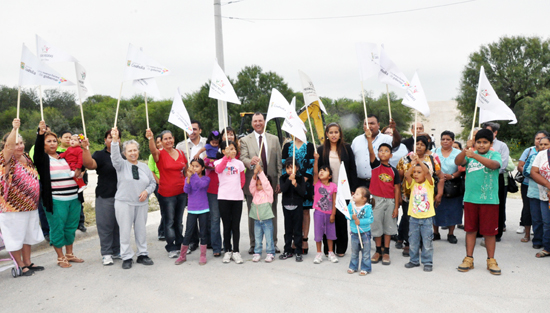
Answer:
(518, 68)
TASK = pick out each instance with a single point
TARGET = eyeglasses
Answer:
(135, 172)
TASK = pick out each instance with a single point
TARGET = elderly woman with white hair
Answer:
(19, 196)
(135, 182)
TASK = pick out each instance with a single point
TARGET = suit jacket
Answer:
(250, 149)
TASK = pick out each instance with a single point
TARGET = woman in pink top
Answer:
(171, 163)
(230, 199)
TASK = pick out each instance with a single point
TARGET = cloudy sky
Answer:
(278, 35)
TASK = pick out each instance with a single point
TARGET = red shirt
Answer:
(172, 178)
(73, 156)
(383, 180)
(214, 181)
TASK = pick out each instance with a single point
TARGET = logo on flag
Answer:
(45, 49)
(22, 65)
(343, 181)
(62, 80)
(164, 70)
(129, 62)
(220, 83)
(373, 56)
(83, 75)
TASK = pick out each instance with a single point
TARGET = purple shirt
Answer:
(196, 192)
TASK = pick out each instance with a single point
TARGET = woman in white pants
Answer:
(135, 182)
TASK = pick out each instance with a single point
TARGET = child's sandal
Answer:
(63, 262)
(350, 271)
(72, 258)
(363, 273)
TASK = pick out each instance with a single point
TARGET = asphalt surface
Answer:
(282, 286)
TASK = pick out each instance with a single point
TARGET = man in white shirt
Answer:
(195, 142)
(360, 148)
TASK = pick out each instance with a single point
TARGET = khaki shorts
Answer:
(383, 223)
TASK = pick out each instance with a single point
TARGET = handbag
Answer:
(512, 185)
(519, 177)
(452, 188)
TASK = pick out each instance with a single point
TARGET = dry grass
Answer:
(89, 210)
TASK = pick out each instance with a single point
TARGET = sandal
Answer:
(376, 258)
(350, 271)
(542, 254)
(27, 273)
(63, 262)
(386, 259)
(525, 239)
(35, 268)
(217, 254)
(340, 255)
(72, 258)
(363, 273)
(305, 250)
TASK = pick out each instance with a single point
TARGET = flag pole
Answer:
(146, 109)
(415, 117)
(294, 155)
(364, 103)
(41, 106)
(473, 122)
(311, 129)
(225, 128)
(388, 96)
(82, 116)
(18, 104)
(118, 103)
(187, 147)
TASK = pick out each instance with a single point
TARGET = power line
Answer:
(345, 16)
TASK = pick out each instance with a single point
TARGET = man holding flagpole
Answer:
(270, 158)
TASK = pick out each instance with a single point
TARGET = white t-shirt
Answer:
(541, 161)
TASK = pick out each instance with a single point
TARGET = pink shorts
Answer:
(482, 218)
(323, 226)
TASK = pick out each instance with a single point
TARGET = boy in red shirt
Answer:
(73, 156)
(385, 189)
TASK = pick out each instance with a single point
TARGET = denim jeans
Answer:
(262, 228)
(173, 227)
(191, 227)
(160, 230)
(536, 220)
(215, 235)
(421, 229)
(356, 247)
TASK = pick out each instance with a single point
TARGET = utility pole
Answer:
(222, 105)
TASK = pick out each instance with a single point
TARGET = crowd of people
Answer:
(437, 188)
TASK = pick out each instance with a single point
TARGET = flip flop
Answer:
(542, 254)
(525, 239)
(35, 268)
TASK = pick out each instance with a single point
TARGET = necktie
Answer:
(263, 155)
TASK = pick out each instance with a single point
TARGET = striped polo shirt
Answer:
(64, 188)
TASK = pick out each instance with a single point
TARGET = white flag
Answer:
(293, 124)
(310, 94)
(84, 89)
(390, 73)
(415, 98)
(147, 85)
(343, 192)
(278, 106)
(367, 55)
(139, 65)
(178, 114)
(46, 52)
(34, 72)
(491, 108)
(220, 86)
(502, 113)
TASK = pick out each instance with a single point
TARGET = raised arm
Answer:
(152, 144)
(87, 159)
(116, 157)
(9, 147)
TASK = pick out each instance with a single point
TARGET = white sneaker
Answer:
(227, 257)
(269, 258)
(520, 230)
(173, 254)
(318, 258)
(117, 257)
(107, 260)
(236, 256)
(255, 258)
(332, 257)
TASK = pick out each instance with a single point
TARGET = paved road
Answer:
(283, 286)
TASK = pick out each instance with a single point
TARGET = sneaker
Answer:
(437, 236)
(411, 265)
(399, 245)
(174, 254)
(145, 260)
(492, 266)
(318, 258)
(117, 256)
(236, 256)
(428, 268)
(332, 257)
(285, 256)
(127, 264)
(269, 258)
(162, 238)
(255, 258)
(299, 258)
(467, 264)
(406, 251)
(82, 228)
(227, 257)
(107, 260)
(452, 239)
(520, 230)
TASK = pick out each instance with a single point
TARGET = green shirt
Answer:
(481, 182)
(153, 166)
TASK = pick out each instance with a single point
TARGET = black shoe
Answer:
(251, 250)
(399, 245)
(127, 264)
(162, 238)
(452, 239)
(82, 228)
(428, 268)
(461, 226)
(47, 238)
(193, 246)
(498, 239)
(285, 256)
(145, 260)
(437, 236)
(277, 250)
(299, 258)
(537, 247)
(394, 237)
(411, 265)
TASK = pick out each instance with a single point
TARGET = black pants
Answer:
(526, 211)
(160, 230)
(191, 227)
(42, 216)
(502, 193)
(403, 231)
(341, 242)
(293, 229)
(230, 212)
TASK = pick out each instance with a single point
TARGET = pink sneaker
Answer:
(269, 258)
(255, 258)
